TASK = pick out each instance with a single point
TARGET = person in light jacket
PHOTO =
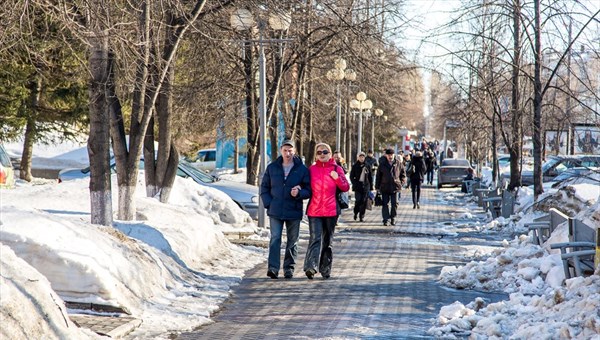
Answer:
(285, 184)
(326, 179)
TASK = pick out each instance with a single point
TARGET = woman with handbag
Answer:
(326, 179)
(360, 177)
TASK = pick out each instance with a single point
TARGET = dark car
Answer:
(557, 165)
(452, 171)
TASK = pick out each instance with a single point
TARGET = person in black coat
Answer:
(285, 183)
(430, 163)
(417, 170)
(390, 177)
(361, 179)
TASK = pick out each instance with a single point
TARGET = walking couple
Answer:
(285, 184)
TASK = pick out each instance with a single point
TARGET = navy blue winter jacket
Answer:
(275, 191)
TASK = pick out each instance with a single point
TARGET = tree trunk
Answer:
(251, 118)
(152, 186)
(537, 106)
(25, 167)
(98, 141)
(168, 158)
(515, 149)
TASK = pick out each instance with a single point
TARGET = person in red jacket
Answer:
(326, 178)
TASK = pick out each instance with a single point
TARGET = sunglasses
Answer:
(323, 152)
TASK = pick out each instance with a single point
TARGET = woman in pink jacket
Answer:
(326, 177)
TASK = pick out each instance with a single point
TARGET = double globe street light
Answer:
(338, 74)
(243, 20)
(361, 103)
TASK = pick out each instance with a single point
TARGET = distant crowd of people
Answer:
(287, 182)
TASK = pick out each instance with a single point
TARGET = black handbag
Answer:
(343, 200)
(378, 200)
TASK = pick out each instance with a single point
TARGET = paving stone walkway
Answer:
(382, 286)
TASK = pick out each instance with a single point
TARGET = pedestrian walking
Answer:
(362, 184)
(371, 162)
(416, 172)
(469, 177)
(286, 182)
(326, 180)
(430, 163)
(389, 180)
(340, 160)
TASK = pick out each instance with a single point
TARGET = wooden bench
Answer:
(492, 202)
(470, 184)
(508, 204)
(543, 227)
(481, 193)
(581, 254)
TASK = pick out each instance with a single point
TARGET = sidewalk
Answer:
(382, 286)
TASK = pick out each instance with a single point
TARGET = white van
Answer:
(204, 160)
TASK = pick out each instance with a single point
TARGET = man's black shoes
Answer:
(272, 274)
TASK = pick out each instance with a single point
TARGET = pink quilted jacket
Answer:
(323, 202)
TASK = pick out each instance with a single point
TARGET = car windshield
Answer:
(550, 163)
(204, 177)
(456, 162)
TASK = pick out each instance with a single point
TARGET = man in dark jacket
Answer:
(390, 177)
(371, 162)
(285, 184)
(361, 179)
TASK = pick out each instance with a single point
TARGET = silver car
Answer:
(244, 195)
(452, 171)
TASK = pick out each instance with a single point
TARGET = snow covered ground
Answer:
(173, 266)
(541, 305)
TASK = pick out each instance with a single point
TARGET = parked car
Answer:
(555, 166)
(452, 171)
(7, 173)
(244, 195)
(204, 160)
(574, 173)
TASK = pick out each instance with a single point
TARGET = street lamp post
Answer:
(378, 113)
(361, 103)
(337, 74)
(241, 20)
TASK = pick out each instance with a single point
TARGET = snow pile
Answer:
(542, 305)
(171, 267)
(520, 266)
(570, 312)
(29, 305)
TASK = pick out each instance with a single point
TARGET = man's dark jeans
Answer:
(389, 199)
(291, 248)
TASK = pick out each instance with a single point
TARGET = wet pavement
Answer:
(383, 283)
